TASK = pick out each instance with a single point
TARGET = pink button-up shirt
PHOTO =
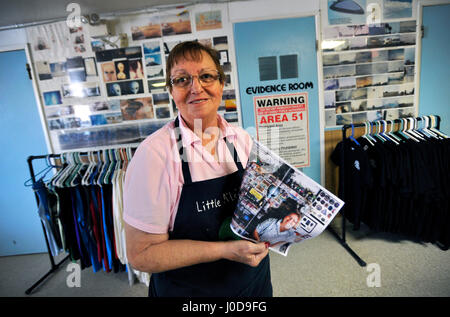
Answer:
(154, 177)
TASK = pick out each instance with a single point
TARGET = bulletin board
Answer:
(110, 91)
(368, 67)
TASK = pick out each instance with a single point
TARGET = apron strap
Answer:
(183, 156)
(236, 158)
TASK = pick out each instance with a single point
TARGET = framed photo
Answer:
(90, 66)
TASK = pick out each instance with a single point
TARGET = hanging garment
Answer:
(47, 213)
(98, 192)
(85, 229)
(219, 278)
(398, 188)
(84, 255)
(108, 229)
(93, 210)
(57, 215)
(92, 226)
(117, 202)
(356, 177)
(67, 221)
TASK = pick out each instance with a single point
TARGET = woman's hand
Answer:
(246, 252)
(155, 253)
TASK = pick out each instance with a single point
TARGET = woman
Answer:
(173, 208)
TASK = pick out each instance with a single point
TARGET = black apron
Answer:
(203, 206)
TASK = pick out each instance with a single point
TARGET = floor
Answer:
(396, 266)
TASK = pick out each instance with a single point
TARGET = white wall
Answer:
(238, 11)
(12, 38)
(266, 9)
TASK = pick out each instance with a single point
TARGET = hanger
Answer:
(391, 134)
(352, 136)
(116, 166)
(125, 161)
(82, 167)
(424, 129)
(130, 154)
(119, 164)
(433, 125)
(87, 173)
(377, 133)
(111, 167)
(103, 169)
(67, 171)
(371, 131)
(49, 166)
(416, 129)
(123, 158)
(369, 125)
(74, 179)
(49, 162)
(387, 137)
(427, 120)
(120, 161)
(108, 171)
(366, 135)
(412, 129)
(400, 130)
(100, 167)
(95, 169)
(407, 130)
(70, 175)
(388, 134)
(55, 177)
(53, 165)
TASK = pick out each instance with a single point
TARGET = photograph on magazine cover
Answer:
(279, 204)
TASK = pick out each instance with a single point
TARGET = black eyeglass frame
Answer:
(191, 78)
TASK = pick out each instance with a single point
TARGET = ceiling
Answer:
(15, 13)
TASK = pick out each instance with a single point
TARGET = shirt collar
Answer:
(189, 137)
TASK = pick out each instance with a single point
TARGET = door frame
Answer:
(26, 48)
(421, 4)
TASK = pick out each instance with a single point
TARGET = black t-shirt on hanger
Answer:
(352, 185)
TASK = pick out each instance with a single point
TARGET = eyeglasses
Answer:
(206, 78)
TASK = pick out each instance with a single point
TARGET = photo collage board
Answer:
(106, 96)
(368, 72)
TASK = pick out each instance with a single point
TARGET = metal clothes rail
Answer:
(54, 266)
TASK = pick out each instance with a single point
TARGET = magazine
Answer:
(279, 204)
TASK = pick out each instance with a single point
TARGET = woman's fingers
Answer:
(247, 252)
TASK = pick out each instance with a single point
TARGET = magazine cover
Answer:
(279, 204)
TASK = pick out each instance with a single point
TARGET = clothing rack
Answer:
(54, 266)
(342, 238)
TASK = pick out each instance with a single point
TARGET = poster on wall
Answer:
(122, 70)
(397, 9)
(368, 71)
(346, 12)
(282, 125)
(208, 20)
(176, 23)
(150, 29)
